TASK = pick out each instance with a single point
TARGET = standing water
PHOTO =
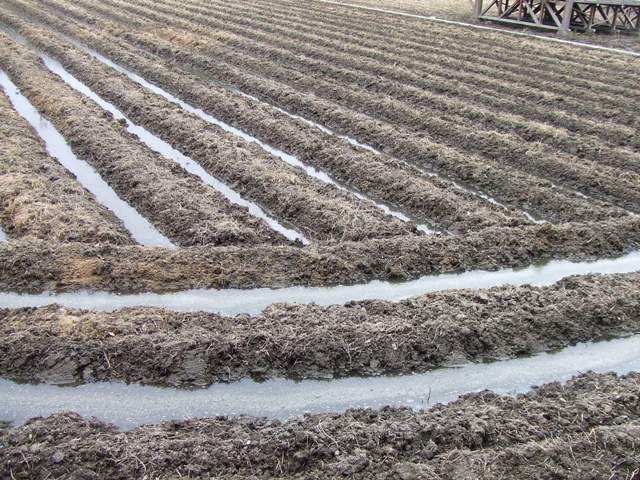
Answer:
(141, 230)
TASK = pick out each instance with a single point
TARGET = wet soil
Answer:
(510, 187)
(506, 184)
(180, 204)
(151, 345)
(321, 211)
(39, 266)
(585, 429)
(40, 199)
(422, 196)
(370, 70)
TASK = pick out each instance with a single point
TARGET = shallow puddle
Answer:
(141, 230)
(3, 236)
(235, 301)
(128, 406)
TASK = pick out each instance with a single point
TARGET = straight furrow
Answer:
(190, 212)
(412, 32)
(425, 153)
(423, 196)
(611, 134)
(587, 93)
(322, 211)
(599, 181)
(40, 198)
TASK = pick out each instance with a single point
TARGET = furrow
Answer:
(155, 185)
(386, 138)
(422, 196)
(40, 198)
(584, 91)
(320, 215)
(412, 335)
(38, 266)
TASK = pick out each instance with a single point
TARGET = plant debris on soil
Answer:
(509, 159)
(481, 435)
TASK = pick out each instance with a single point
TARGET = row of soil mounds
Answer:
(150, 345)
(541, 197)
(588, 428)
(37, 266)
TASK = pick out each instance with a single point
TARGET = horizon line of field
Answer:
(85, 93)
(552, 193)
(483, 198)
(512, 32)
(619, 196)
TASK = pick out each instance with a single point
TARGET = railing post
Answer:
(477, 9)
(566, 18)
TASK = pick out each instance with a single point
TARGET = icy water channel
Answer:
(141, 229)
(128, 406)
(160, 146)
(253, 301)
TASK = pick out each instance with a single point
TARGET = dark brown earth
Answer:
(320, 211)
(426, 198)
(586, 429)
(61, 345)
(39, 266)
(40, 198)
(179, 204)
(512, 187)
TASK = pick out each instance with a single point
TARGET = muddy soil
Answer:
(370, 69)
(396, 104)
(518, 76)
(513, 188)
(147, 345)
(40, 199)
(320, 210)
(588, 427)
(38, 266)
(426, 198)
(156, 186)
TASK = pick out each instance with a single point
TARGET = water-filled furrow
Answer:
(3, 236)
(236, 301)
(356, 143)
(128, 406)
(160, 146)
(141, 229)
(289, 159)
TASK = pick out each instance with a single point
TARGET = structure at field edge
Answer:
(564, 15)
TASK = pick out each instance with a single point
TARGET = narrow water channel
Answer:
(160, 146)
(128, 406)
(290, 159)
(141, 229)
(253, 301)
